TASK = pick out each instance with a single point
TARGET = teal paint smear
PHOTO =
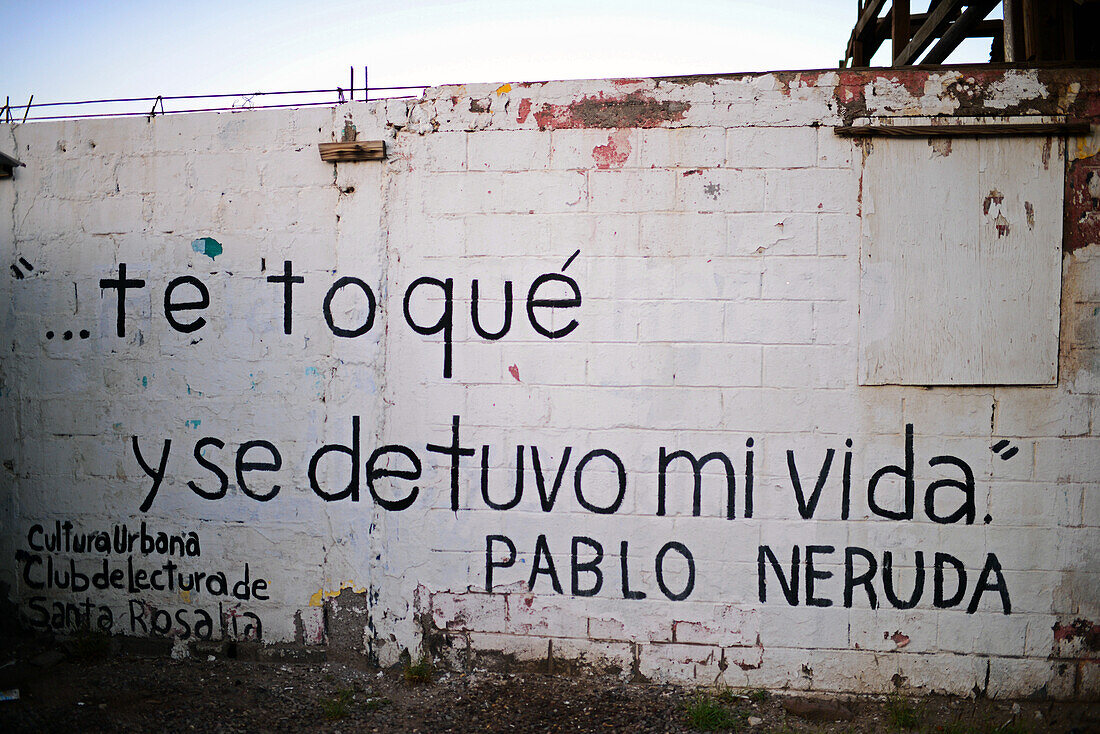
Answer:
(193, 423)
(145, 382)
(207, 246)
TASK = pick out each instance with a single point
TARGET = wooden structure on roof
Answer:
(8, 165)
(1024, 31)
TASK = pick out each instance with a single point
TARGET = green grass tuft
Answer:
(706, 712)
(420, 672)
(901, 712)
(337, 708)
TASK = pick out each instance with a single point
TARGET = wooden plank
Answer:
(1014, 30)
(899, 27)
(869, 14)
(1001, 129)
(1032, 30)
(932, 28)
(960, 263)
(959, 31)
(985, 29)
(362, 150)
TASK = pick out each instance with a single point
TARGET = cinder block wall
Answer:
(302, 428)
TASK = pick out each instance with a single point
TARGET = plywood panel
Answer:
(960, 262)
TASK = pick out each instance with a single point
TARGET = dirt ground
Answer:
(90, 686)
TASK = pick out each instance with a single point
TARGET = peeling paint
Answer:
(1083, 629)
(634, 110)
(615, 153)
(994, 197)
(523, 111)
(319, 598)
(1082, 204)
(940, 146)
(207, 246)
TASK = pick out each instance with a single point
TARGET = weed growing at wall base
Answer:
(707, 712)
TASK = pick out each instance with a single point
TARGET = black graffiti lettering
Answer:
(41, 618)
(181, 620)
(906, 472)
(659, 565)
(992, 565)
(241, 466)
(456, 452)
(806, 508)
(288, 279)
(966, 508)
(542, 551)
(474, 311)
(941, 560)
(547, 501)
(592, 567)
(748, 477)
(139, 618)
(888, 581)
(352, 488)
(516, 495)
(326, 308)
(813, 575)
(210, 466)
(444, 324)
(156, 475)
(121, 284)
(664, 459)
(788, 584)
(533, 302)
(204, 628)
(490, 564)
(172, 307)
(864, 579)
(846, 483)
(624, 547)
(161, 622)
(374, 472)
(620, 475)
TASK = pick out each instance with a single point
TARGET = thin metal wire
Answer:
(203, 109)
(212, 96)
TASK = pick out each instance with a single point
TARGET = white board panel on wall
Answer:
(960, 261)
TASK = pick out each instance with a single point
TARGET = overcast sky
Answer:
(92, 49)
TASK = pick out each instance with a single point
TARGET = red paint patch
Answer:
(615, 153)
(1081, 227)
(899, 639)
(693, 172)
(995, 197)
(524, 110)
(514, 372)
(624, 111)
(1083, 628)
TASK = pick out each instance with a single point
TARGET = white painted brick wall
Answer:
(718, 229)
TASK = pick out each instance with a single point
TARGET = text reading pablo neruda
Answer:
(598, 477)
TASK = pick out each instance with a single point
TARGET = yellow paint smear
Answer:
(319, 598)
(185, 596)
(1087, 146)
(504, 89)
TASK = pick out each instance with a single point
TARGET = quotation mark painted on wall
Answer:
(1002, 449)
(19, 273)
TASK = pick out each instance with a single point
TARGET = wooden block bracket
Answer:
(356, 150)
(964, 130)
